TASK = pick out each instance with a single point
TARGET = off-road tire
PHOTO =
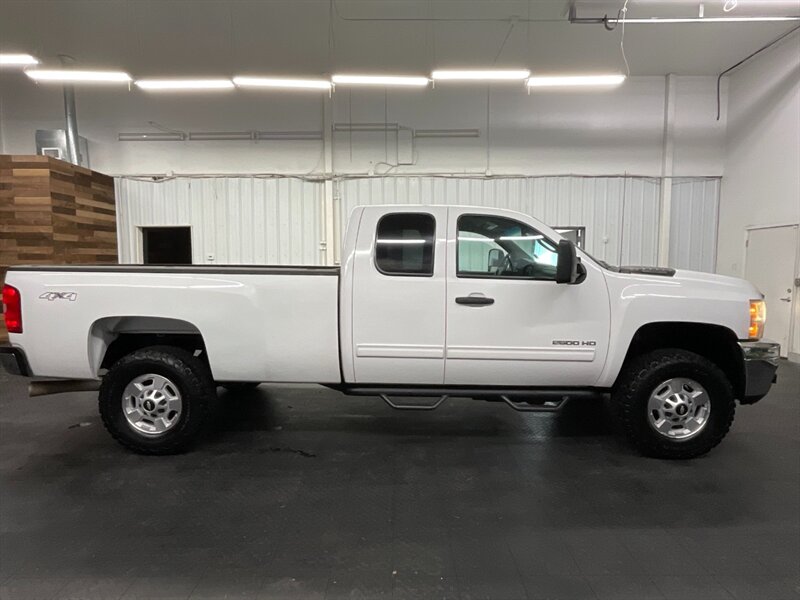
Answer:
(191, 376)
(640, 377)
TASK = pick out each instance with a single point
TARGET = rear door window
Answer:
(404, 244)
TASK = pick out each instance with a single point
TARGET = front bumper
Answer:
(760, 364)
(14, 361)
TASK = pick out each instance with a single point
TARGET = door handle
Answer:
(787, 299)
(474, 300)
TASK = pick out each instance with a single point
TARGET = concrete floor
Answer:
(304, 493)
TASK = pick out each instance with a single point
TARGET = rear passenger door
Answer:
(398, 296)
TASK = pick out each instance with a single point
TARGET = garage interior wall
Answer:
(256, 220)
(597, 132)
(761, 184)
(233, 220)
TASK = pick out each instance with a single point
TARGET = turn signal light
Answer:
(13, 309)
(758, 316)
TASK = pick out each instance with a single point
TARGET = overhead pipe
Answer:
(744, 60)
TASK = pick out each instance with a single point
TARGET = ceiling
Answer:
(313, 37)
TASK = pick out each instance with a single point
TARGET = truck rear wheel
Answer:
(674, 404)
(156, 400)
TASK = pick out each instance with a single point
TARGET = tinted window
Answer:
(404, 244)
(491, 246)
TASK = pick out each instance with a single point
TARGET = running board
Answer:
(546, 403)
(397, 406)
(522, 399)
(547, 406)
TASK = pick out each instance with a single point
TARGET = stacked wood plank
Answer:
(53, 212)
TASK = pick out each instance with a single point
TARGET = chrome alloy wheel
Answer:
(679, 408)
(152, 404)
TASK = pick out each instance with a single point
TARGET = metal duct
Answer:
(70, 115)
(447, 133)
(216, 136)
(354, 127)
(151, 137)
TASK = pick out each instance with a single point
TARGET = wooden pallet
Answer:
(53, 212)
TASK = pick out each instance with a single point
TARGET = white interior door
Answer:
(771, 254)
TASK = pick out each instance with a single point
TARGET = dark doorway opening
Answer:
(167, 245)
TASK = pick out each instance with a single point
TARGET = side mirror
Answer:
(496, 257)
(567, 266)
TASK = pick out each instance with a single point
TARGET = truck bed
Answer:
(218, 269)
(258, 323)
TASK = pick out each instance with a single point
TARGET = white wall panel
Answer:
(236, 220)
(693, 224)
(241, 220)
(620, 214)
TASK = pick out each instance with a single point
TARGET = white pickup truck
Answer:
(430, 301)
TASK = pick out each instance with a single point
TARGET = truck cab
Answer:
(467, 296)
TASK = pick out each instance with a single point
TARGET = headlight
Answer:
(758, 316)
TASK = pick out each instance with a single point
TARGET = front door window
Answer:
(497, 247)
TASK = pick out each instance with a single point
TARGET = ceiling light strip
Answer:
(17, 60)
(575, 80)
(75, 76)
(382, 80)
(184, 84)
(275, 82)
(481, 75)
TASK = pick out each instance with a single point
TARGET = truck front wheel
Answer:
(674, 403)
(156, 400)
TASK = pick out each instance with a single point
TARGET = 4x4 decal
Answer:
(71, 296)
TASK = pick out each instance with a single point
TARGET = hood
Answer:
(691, 283)
(723, 281)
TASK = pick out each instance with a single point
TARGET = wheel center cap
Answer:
(149, 404)
(682, 409)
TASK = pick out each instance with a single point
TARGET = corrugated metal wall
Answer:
(280, 220)
(620, 214)
(234, 220)
(693, 224)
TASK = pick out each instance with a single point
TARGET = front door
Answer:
(770, 266)
(508, 322)
(398, 296)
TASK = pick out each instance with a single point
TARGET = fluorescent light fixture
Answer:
(184, 84)
(485, 75)
(74, 76)
(384, 80)
(17, 60)
(575, 80)
(273, 82)
(657, 20)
